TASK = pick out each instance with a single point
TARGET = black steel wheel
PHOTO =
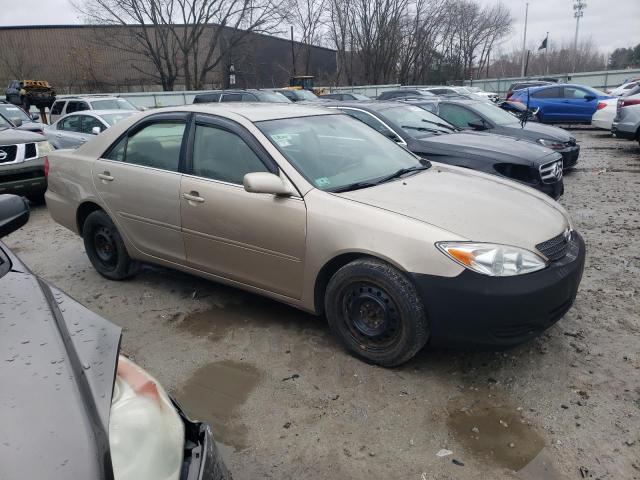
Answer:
(105, 248)
(376, 311)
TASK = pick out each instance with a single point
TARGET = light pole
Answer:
(578, 7)
(524, 40)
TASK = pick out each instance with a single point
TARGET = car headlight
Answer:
(43, 149)
(146, 434)
(491, 259)
(553, 144)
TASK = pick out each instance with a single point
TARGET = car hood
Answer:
(57, 378)
(470, 205)
(12, 136)
(496, 147)
(537, 130)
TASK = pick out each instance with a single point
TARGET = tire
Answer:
(105, 248)
(376, 312)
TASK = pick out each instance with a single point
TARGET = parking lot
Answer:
(286, 401)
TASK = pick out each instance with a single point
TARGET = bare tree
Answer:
(308, 18)
(16, 60)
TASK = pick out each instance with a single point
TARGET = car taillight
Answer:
(628, 102)
(46, 166)
(601, 105)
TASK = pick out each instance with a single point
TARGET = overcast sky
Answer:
(610, 23)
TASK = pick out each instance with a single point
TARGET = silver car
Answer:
(627, 121)
(74, 129)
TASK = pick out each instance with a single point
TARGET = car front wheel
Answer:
(105, 248)
(376, 312)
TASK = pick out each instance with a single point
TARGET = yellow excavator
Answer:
(305, 82)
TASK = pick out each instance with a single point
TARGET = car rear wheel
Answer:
(105, 248)
(376, 312)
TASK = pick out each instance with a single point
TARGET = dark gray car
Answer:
(70, 407)
(482, 116)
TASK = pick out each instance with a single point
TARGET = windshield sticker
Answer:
(322, 182)
(282, 139)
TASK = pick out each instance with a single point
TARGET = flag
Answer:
(543, 45)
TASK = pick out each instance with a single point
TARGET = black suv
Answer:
(240, 95)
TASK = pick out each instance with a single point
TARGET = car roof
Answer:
(372, 105)
(255, 111)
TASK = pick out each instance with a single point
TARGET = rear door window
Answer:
(75, 106)
(552, 92)
(575, 93)
(72, 123)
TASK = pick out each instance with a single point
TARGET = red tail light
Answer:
(628, 102)
(601, 105)
(46, 167)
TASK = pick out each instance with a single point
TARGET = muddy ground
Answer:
(286, 401)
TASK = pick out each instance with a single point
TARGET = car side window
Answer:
(222, 155)
(75, 106)
(72, 123)
(231, 97)
(88, 123)
(57, 108)
(207, 98)
(458, 116)
(157, 145)
(553, 92)
(575, 93)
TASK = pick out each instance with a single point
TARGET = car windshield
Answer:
(112, 104)
(305, 95)
(4, 124)
(113, 118)
(417, 122)
(337, 152)
(495, 114)
(358, 96)
(12, 112)
(272, 97)
(593, 91)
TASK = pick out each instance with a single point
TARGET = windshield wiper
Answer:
(353, 186)
(443, 125)
(403, 171)
(422, 129)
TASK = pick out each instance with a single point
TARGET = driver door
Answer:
(251, 238)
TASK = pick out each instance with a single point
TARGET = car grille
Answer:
(572, 142)
(8, 153)
(555, 248)
(551, 172)
(30, 150)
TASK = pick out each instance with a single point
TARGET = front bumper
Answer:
(499, 312)
(24, 178)
(554, 190)
(201, 460)
(622, 130)
(570, 156)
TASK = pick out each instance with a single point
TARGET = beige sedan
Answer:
(317, 210)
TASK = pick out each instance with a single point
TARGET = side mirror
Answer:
(17, 122)
(264, 182)
(478, 125)
(14, 213)
(588, 98)
(35, 117)
(96, 130)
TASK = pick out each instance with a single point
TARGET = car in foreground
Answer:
(433, 138)
(482, 116)
(23, 159)
(344, 96)
(626, 124)
(25, 93)
(315, 209)
(66, 105)
(20, 119)
(240, 95)
(74, 129)
(561, 103)
(68, 395)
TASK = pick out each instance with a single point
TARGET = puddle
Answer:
(502, 437)
(214, 394)
(253, 312)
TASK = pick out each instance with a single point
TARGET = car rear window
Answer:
(112, 104)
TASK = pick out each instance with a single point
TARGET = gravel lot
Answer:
(287, 402)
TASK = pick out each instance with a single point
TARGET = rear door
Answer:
(579, 108)
(138, 179)
(255, 239)
(551, 103)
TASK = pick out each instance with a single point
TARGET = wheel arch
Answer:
(84, 210)
(332, 266)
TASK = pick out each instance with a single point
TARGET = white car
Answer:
(494, 97)
(605, 113)
(624, 88)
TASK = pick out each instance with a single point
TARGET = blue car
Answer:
(564, 103)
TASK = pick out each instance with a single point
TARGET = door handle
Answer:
(193, 197)
(59, 135)
(105, 176)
